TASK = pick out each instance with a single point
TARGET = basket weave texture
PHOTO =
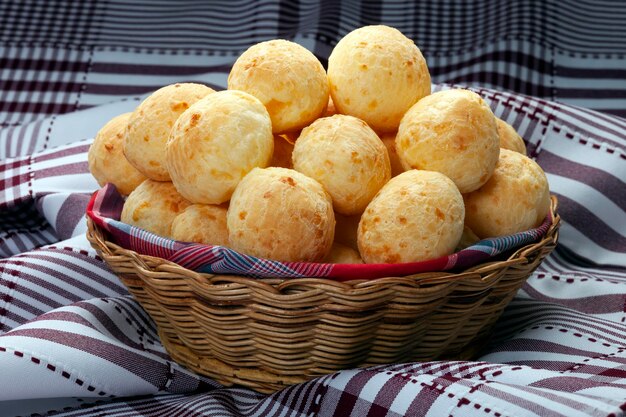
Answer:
(270, 333)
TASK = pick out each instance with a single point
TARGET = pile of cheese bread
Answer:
(359, 163)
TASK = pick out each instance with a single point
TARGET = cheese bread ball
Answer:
(516, 198)
(288, 79)
(509, 138)
(376, 74)
(281, 214)
(341, 254)
(347, 157)
(453, 132)
(346, 229)
(389, 140)
(417, 216)
(202, 223)
(153, 206)
(150, 124)
(283, 149)
(215, 143)
(107, 162)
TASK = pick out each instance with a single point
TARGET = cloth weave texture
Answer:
(74, 343)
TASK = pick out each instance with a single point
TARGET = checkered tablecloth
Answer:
(74, 343)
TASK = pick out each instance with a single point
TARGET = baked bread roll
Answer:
(202, 223)
(389, 140)
(287, 78)
(215, 143)
(347, 157)
(516, 198)
(341, 254)
(509, 138)
(417, 216)
(376, 74)
(107, 162)
(150, 124)
(281, 214)
(153, 206)
(453, 132)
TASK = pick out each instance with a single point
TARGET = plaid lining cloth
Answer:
(106, 205)
(73, 343)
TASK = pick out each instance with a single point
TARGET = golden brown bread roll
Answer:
(202, 223)
(341, 254)
(107, 162)
(453, 132)
(153, 206)
(347, 157)
(215, 143)
(416, 216)
(376, 74)
(509, 138)
(287, 78)
(281, 214)
(150, 124)
(516, 198)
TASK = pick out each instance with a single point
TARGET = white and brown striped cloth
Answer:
(73, 343)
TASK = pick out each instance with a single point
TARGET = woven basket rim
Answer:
(209, 323)
(153, 266)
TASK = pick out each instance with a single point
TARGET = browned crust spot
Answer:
(250, 64)
(137, 211)
(194, 119)
(288, 180)
(174, 206)
(181, 106)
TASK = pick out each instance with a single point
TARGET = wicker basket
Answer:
(269, 333)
